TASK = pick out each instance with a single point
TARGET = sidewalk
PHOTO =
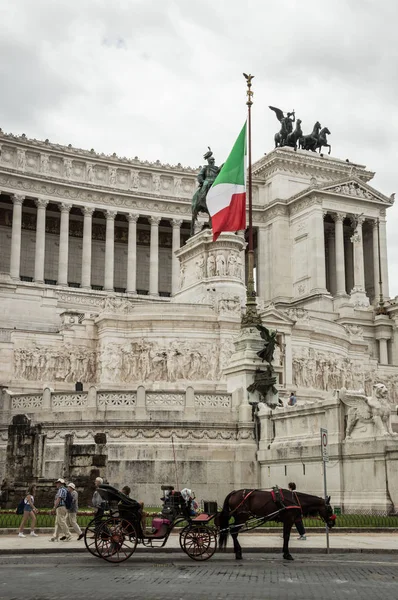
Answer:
(265, 542)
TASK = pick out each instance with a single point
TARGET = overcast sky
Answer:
(162, 79)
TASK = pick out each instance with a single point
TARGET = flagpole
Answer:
(251, 317)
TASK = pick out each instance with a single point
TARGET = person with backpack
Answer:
(72, 507)
(60, 512)
(29, 512)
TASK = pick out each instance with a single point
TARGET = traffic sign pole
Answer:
(325, 459)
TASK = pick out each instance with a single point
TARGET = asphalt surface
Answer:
(174, 577)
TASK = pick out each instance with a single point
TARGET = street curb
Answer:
(257, 531)
(253, 550)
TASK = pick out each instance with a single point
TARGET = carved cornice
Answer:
(143, 202)
(270, 212)
(33, 145)
(306, 163)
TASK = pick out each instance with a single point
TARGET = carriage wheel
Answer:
(182, 536)
(199, 543)
(90, 534)
(116, 540)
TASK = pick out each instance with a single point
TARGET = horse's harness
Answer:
(276, 495)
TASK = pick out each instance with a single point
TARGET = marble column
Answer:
(63, 244)
(318, 279)
(383, 351)
(376, 274)
(87, 246)
(15, 261)
(383, 256)
(339, 250)
(349, 263)
(154, 257)
(40, 239)
(175, 263)
(332, 262)
(110, 250)
(357, 240)
(132, 255)
(263, 270)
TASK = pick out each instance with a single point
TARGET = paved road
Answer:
(173, 577)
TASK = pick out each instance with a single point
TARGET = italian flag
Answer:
(226, 199)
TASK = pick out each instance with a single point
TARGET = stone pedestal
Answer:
(207, 266)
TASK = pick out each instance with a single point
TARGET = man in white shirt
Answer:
(61, 513)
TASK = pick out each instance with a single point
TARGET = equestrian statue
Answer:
(205, 178)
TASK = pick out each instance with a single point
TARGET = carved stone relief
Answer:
(151, 361)
(69, 364)
(328, 371)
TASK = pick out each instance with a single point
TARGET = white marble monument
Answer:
(101, 285)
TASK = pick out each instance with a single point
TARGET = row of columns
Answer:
(87, 247)
(336, 247)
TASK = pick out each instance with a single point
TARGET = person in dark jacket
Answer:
(299, 522)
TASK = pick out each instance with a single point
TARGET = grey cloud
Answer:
(163, 79)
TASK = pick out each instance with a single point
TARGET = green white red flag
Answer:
(226, 199)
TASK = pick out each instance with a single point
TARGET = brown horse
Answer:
(284, 506)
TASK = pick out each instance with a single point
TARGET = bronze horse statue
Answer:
(309, 142)
(295, 135)
(279, 505)
(322, 140)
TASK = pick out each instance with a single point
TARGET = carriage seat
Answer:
(202, 517)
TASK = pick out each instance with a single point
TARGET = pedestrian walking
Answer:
(71, 519)
(299, 522)
(60, 511)
(29, 513)
(98, 503)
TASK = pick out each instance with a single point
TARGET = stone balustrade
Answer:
(140, 403)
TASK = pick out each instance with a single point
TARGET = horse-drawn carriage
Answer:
(115, 534)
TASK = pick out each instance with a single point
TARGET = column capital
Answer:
(338, 217)
(176, 223)
(41, 202)
(87, 210)
(17, 198)
(110, 214)
(64, 207)
(133, 217)
(155, 220)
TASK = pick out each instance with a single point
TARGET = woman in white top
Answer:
(29, 512)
